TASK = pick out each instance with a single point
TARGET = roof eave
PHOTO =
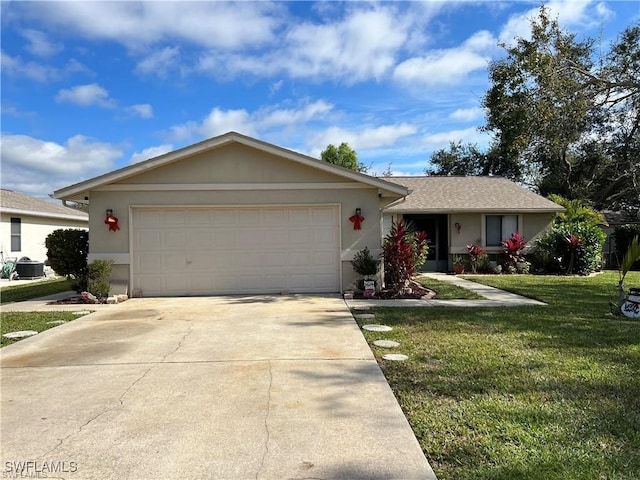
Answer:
(32, 213)
(80, 190)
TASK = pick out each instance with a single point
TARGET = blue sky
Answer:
(88, 87)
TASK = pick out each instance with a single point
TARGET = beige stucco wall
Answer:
(229, 165)
(34, 231)
(532, 225)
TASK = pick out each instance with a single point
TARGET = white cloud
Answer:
(150, 152)
(362, 45)
(140, 24)
(448, 66)
(438, 140)
(17, 67)
(160, 63)
(39, 44)
(467, 114)
(85, 96)
(256, 123)
(142, 110)
(39, 167)
(364, 139)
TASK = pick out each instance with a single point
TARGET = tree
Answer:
(344, 156)
(67, 251)
(569, 120)
(466, 159)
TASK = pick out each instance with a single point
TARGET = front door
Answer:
(436, 228)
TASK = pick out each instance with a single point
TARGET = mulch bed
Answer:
(415, 292)
(76, 300)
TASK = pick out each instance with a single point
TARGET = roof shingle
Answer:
(468, 194)
(21, 201)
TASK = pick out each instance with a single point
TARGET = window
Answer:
(16, 227)
(499, 228)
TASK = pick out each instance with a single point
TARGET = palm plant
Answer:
(576, 211)
(632, 254)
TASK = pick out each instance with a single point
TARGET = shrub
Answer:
(513, 249)
(404, 251)
(572, 248)
(475, 251)
(364, 263)
(99, 274)
(67, 251)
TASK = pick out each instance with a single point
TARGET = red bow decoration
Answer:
(357, 220)
(112, 222)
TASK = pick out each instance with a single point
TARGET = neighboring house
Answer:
(25, 222)
(232, 215)
(458, 211)
(615, 219)
(235, 215)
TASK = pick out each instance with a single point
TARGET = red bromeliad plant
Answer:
(405, 251)
(513, 248)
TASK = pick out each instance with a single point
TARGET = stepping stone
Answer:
(82, 312)
(377, 328)
(362, 309)
(20, 334)
(386, 343)
(57, 322)
(364, 316)
(395, 357)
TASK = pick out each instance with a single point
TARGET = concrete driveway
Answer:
(264, 387)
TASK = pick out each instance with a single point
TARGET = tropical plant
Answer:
(630, 257)
(513, 248)
(404, 252)
(475, 252)
(572, 248)
(576, 211)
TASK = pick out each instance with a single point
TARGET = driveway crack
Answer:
(184, 337)
(266, 424)
(103, 412)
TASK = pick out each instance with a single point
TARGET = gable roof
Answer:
(23, 204)
(79, 190)
(468, 194)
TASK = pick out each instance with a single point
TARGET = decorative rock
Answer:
(386, 343)
(377, 328)
(395, 357)
(112, 300)
(348, 296)
(122, 297)
(56, 322)
(82, 312)
(364, 316)
(20, 334)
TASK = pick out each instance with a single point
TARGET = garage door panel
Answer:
(197, 251)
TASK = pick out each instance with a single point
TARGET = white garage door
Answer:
(214, 250)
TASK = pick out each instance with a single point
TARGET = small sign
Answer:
(369, 288)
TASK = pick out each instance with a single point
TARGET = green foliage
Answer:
(577, 211)
(631, 256)
(67, 251)
(344, 156)
(566, 122)
(99, 274)
(572, 248)
(364, 263)
(405, 251)
(467, 160)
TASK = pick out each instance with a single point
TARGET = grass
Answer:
(547, 392)
(17, 321)
(447, 291)
(20, 293)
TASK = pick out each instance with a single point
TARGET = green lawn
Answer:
(20, 293)
(548, 392)
(447, 291)
(17, 321)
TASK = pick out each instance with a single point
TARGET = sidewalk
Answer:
(40, 305)
(494, 297)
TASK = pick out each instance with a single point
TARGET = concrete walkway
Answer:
(41, 305)
(493, 297)
(261, 387)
